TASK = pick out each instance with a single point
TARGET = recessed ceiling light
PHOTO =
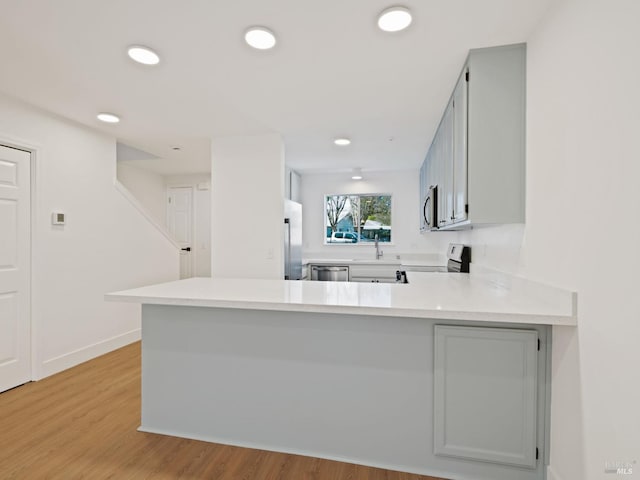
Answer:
(108, 117)
(143, 55)
(357, 174)
(342, 141)
(260, 37)
(394, 19)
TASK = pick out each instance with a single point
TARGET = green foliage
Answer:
(376, 208)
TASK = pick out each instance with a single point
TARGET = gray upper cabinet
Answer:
(485, 394)
(444, 161)
(459, 193)
(477, 157)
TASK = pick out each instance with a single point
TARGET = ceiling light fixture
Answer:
(108, 117)
(143, 55)
(356, 174)
(342, 142)
(260, 38)
(394, 19)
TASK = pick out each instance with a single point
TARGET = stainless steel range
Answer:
(458, 258)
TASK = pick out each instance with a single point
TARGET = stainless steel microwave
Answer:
(430, 208)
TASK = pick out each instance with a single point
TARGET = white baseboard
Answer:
(71, 359)
(552, 475)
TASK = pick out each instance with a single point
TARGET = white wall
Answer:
(106, 244)
(201, 235)
(495, 246)
(404, 189)
(583, 207)
(148, 187)
(247, 211)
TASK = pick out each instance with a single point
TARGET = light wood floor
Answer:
(82, 423)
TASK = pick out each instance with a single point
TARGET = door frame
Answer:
(35, 151)
(192, 187)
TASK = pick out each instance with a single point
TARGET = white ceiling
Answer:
(332, 72)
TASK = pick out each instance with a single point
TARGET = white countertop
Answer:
(418, 261)
(351, 261)
(453, 296)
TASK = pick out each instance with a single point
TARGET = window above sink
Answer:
(356, 219)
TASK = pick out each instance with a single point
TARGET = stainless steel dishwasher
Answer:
(326, 273)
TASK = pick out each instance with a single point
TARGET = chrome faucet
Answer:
(378, 251)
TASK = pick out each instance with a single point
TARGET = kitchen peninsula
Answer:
(445, 376)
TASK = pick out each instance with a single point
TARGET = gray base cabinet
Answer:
(485, 394)
(374, 273)
(356, 387)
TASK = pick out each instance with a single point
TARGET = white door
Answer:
(15, 251)
(179, 218)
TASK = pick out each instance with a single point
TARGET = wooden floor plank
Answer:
(82, 424)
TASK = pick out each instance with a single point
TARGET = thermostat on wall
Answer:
(57, 218)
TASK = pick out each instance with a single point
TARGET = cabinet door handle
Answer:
(425, 210)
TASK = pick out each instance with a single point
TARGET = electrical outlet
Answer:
(57, 218)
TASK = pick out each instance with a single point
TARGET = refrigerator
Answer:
(292, 240)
